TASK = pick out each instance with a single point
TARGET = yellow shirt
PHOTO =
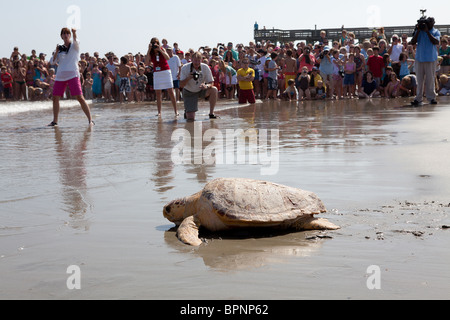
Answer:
(317, 79)
(246, 85)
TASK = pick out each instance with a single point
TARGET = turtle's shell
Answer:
(259, 201)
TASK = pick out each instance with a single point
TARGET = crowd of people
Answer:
(327, 69)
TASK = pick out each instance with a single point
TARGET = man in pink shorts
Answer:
(68, 74)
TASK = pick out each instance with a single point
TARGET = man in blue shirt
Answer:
(427, 39)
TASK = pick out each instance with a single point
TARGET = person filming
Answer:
(427, 39)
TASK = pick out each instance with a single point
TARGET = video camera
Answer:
(424, 22)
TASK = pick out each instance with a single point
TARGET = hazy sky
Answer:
(123, 27)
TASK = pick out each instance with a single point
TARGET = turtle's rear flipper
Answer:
(188, 232)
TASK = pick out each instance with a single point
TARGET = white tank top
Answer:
(396, 50)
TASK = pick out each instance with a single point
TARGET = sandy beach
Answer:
(93, 198)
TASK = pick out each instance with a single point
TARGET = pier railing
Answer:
(311, 36)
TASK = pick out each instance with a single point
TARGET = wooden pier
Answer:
(311, 36)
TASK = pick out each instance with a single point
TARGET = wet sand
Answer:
(94, 197)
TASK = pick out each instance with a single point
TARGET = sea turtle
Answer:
(227, 204)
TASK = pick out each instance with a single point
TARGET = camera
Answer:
(63, 48)
(155, 46)
(423, 22)
(323, 54)
(196, 75)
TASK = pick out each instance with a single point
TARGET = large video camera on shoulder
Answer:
(424, 22)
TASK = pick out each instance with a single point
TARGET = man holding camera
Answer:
(197, 82)
(427, 39)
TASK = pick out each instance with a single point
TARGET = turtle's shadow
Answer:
(245, 249)
(242, 233)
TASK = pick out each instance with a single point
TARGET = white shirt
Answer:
(111, 67)
(174, 64)
(396, 50)
(68, 63)
(192, 85)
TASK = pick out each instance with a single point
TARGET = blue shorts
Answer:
(125, 85)
(272, 84)
(176, 84)
(349, 79)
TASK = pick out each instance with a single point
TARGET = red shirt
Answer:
(376, 65)
(6, 77)
(159, 62)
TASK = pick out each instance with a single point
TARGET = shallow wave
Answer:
(15, 107)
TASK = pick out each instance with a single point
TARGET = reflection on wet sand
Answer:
(73, 175)
(162, 175)
(326, 126)
(246, 250)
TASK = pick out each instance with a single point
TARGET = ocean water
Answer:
(93, 197)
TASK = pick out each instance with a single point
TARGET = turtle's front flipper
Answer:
(312, 223)
(188, 232)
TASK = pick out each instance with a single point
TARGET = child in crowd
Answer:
(392, 89)
(376, 65)
(369, 87)
(349, 77)
(97, 85)
(405, 65)
(408, 86)
(133, 84)
(214, 66)
(321, 91)
(88, 83)
(50, 80)
(108, 82)
(116, 84)
(291, 92)
(386, 80)
(314, 82)
(444, 85)
(41, 89)
(272, 78)
(7, 83)
(303, 81)
(142, 83)
(124, 73)
(290, 67)
(18, 74)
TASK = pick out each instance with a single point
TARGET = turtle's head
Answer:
(174, 211)
(178, 210)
